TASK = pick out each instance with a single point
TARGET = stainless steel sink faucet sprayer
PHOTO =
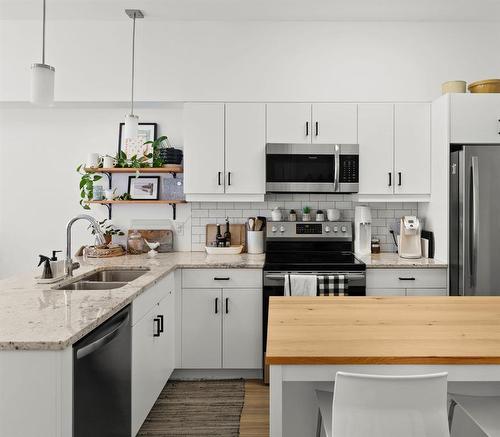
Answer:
(70, 266)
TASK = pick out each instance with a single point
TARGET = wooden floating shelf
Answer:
(166, 169)
(124, 202)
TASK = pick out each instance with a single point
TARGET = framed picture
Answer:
(135, 146)
(144, 187)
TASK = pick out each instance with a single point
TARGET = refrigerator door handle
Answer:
(474, 212)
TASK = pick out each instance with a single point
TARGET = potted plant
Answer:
(87, 185)
(108, 229)
(306, 214)
(164, 153)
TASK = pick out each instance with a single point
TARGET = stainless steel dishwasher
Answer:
(102, 380)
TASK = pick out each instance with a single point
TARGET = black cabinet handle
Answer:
(160, 318)
(399, 178)
(229, 178)
(406, 279)
(227, 305)
(317, 128)
(390, 179)
(156, 323)
(307, 128)
(218, 178)
(216, 305)
(216, 278)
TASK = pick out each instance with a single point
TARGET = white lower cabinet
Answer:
(153, 344)
(221, 327)
(407, 282)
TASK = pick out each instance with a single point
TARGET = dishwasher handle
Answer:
(102, 341)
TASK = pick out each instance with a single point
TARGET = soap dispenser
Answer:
(47, 271)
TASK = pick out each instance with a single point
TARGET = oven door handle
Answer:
(348, 274)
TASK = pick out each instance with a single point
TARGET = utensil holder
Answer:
(255, 242)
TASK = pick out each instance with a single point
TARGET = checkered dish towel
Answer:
(332, 285)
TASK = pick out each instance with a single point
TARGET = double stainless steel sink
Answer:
(106, 279)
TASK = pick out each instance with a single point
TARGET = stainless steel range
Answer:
(309, 248)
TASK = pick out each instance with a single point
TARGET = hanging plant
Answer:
(86, 185)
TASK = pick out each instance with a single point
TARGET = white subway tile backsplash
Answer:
(384, 214)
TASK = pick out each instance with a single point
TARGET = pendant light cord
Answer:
(133, 67)
(43, 34)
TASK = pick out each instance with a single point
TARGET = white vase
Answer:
(306, 217)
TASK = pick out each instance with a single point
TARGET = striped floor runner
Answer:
(196, 409)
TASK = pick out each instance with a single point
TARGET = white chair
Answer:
(382, 406)
(484, 411)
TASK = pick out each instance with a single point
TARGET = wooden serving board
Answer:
(164, 236)
(238, 234)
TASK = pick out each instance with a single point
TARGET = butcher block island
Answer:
(311, 339)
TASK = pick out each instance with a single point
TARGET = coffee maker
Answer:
(410, 245)
(362, 230)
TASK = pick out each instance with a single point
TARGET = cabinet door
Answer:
(242, 329)
(204, 148)
(334, 123)
(201, 328)
(475, 118)
(412, 148)
(427, 292)
(381, 292)
(289, 123)
(245, 148)
(376, 148)
(147, 373)
(166, 341)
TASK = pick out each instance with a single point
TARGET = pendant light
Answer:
(42, 77)
(132, 120)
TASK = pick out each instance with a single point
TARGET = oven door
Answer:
(312, 168)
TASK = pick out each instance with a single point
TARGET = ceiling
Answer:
(254, 10)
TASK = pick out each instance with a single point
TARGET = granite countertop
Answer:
(386, 260)
(36, 317)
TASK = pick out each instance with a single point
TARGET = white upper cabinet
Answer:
(474, 118)
(412, 148)
(289, 123)
(376, 148)
(334, 123)
(204, 148)
(245, 148)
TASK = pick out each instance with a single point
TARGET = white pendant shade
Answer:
(131, 126)
(42, 84)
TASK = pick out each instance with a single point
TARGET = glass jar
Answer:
(375, 245)
(135, 243)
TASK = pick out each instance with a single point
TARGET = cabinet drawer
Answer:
(153, 295)
(385, 292)
(406, 278)
(427, 292)
(221, 278)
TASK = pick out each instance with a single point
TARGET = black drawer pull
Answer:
(307, 128)
(216, 305)
(406, 279)
(227, 305)
(160, 318)
(156, 323)
(399, 179)
(221, 279)
(390, 179)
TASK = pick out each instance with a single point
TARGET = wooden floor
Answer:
(255, 415)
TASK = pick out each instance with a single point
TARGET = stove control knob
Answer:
(327, 229)
(274, 229)
(282, 229)
(343, 229)
(335, 229)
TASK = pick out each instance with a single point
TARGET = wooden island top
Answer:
(383, 330)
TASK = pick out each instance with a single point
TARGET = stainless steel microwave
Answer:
(312, 168)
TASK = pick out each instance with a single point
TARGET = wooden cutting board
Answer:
(164, 236)
(238, 234)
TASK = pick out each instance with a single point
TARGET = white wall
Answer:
(260, 61)
(39, 152)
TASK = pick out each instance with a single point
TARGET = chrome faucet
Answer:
(70, 266)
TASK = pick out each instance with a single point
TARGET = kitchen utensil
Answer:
(251, 224)
(454, 86)
(485, 86)
(259, 224)
(255, 242)
(230, 250)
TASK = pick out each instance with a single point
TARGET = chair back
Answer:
(383, 406)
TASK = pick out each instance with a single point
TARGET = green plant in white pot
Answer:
(306, 214)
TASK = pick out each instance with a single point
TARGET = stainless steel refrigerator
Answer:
(475, 220)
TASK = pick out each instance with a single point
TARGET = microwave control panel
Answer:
(349, 169)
